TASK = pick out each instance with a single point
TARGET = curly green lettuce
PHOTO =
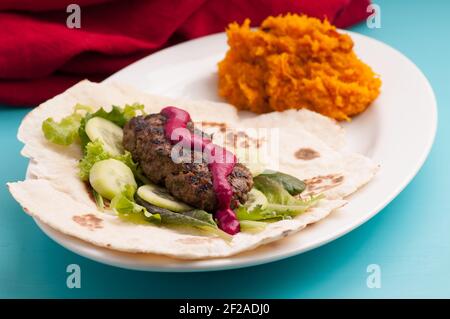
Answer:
(281, 204)
(71, 128)
(65, 132)
(95, 152)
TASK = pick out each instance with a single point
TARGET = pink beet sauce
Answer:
(220, 163)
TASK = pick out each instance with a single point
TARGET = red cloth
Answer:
(41, 57)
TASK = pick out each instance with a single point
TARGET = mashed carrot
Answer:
(296, 62)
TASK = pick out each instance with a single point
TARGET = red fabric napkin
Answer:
(41, 57)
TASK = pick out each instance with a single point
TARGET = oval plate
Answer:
(189, 70)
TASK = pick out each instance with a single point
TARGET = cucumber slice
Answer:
(160, 197)
(109, 134)
(109, 177)
(256, 199)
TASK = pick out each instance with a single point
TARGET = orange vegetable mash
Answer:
(296, 62)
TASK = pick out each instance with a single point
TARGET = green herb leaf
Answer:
(72, 127)
(131, 110)
(275, 212)
(65, 132)
(242, 213)
(194, 218)
(189, 218)
(95, 152)
(125, 207)
(98, 200)
(293, 185)
(274, 190)
(252, 226)
(281, 204)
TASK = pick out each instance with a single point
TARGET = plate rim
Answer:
(186, 265)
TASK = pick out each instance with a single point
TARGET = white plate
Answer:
(397, 131)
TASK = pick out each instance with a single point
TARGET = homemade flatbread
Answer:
(309, 147)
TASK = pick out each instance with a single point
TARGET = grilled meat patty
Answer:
(188, 181)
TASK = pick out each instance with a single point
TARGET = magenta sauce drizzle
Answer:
(220, 169)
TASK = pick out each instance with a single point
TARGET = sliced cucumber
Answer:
(109, 177)
(160, 197)
(111, 135)
(256, 199)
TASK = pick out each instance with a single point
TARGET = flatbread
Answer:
(55, 195)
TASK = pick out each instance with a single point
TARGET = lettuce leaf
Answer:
(126, 208)
(65, 132)
(252, 226)
(98, 200)
(95, 152)
(194, 218)
(131, 110)
(243, 213)
(273, 190)
(282, 205)
(275, 212)
(72, 128)
(290, 183)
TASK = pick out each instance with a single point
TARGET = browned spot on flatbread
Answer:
(194, 240)
(90, 221)
(306, 154)
(286, 233)
(338, 179)
(240, 139)
(234, 138)
(320, 184)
